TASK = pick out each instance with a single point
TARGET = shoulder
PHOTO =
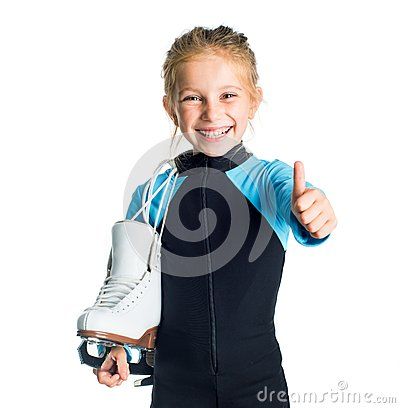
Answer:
(275, 166)
(141, 193)
(262, 170)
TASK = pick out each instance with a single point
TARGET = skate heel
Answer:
(148, 340)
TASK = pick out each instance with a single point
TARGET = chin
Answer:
(216, 148)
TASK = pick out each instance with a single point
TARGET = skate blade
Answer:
(89, 352)
(147, 341)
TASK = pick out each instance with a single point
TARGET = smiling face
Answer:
(211, 105)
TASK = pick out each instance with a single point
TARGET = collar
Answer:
(232, 158)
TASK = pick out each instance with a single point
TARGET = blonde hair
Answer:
(201, 41)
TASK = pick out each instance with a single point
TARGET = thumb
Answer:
(299, 182)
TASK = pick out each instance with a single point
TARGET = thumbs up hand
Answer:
(310, 206)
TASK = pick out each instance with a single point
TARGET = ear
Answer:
(256, 104)
(168, 109)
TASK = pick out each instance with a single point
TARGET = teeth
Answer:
(214, 134)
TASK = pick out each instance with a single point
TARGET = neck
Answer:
(211, 154)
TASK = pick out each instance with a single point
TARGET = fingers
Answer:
(106, 378)
(307, 199)
(116, 359)
(108, 363)
(317, 223)
(325, 230)
(310, 214)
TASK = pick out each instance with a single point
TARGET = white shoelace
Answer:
(114, 289)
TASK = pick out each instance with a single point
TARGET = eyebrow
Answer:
(188, 88)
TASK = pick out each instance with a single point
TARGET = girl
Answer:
(225, 236)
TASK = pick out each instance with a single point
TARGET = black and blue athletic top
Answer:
(222, 255)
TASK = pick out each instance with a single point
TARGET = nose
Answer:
(212, 111)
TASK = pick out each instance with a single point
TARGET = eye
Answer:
(229, 94)
(189, 98)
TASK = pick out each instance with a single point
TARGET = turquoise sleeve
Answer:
(136, 203)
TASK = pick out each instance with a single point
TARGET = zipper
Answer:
(210, 280)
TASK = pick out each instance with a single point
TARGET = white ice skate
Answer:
(127, 310)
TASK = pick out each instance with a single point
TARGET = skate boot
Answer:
(127, 310)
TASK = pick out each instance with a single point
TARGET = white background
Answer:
(80, 103)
